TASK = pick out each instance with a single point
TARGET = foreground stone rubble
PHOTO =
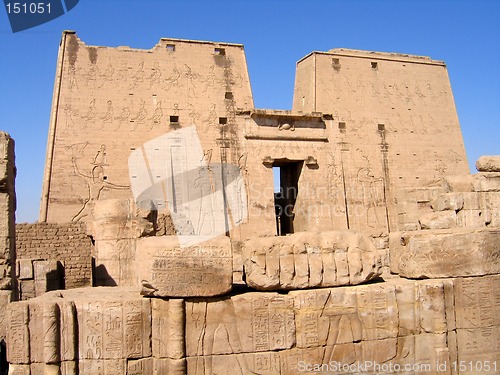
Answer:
(162, 247)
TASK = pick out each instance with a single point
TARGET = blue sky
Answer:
(276, 33)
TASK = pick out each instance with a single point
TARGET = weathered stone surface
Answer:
(305, 260)
(484, 182)
(449, 201)
(169, 328)
(168, 269)
(438, 220)
(459, 183)
(246, 323)
(88, 324)
(8, 280)
(473, 218)
(451, 254)
(394, 322)
(488, 164)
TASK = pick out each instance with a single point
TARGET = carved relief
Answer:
(157, 114)
(137, 76)
(107, 118)
(140, 117)
(95, 178)
(90, 115)
(155, 76)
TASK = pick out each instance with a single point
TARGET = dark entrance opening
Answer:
(287, 173)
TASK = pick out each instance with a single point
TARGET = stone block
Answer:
(18, 335)
(344, 315)
(264, 363)
(488, 163)
(26, 289)
(459, 183)
(472, 200)
(250, 322)
(438, 220)
(305, 260)
(448, 201)
(397, 247)
(476, 302)
(5, 298)
(25, 269)
(46, 275)
(170, 366)
(456, 253)
(168, 269)
(168, 328)
(486, 181)
(112, 328)
(102, 367)
(473, 218)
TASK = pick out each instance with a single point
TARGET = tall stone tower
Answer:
(109, 101)
(394, 121)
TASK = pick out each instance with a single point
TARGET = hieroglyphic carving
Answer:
(477, 302)
(107, 75)
(18, 333)
(155, 75)
(141, 115)
(124, 116)
(137, 76)
(157, 114)
(70, 114)
(173, 79)
(377, 310)
(90, 330)
(107, 118)
(68, 322)
(114, 329)
(95, 179)
(90, 115)
(50, 323)
(191, 78)
(248, 323)
(197, 270)
(91, 75)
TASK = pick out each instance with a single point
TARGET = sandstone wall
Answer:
(391, 113)
(174, 127)
(7, 233)
(109, 102)
(41, 246)
(404, 323)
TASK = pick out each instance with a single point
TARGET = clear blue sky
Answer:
(276, 33)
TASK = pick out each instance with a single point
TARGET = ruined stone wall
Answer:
(65, 243)
(7, 231)
(405, 324)
(394, 125)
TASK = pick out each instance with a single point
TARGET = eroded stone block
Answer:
(251, 322)
(265, 363)
(451, 254)
(18, 336)
(488, 164)
(448, 201)
(171, 270)
(168, 332)
(438, 220)
(486, 182)
(305, 260)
